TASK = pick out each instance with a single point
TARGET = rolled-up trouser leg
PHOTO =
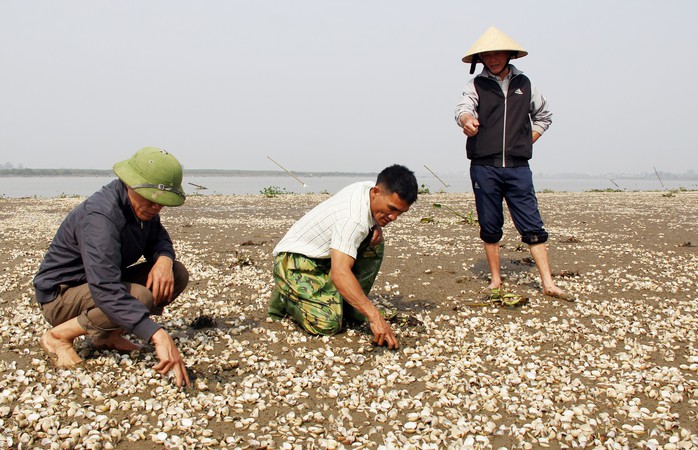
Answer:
(489, 196)
(77, 301)
(523, 205)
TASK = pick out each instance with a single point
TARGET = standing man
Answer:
(502, 113)
(87, 283)
(325, 265)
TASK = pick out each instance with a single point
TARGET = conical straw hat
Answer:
(494, 40)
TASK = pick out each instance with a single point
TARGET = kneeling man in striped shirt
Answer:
(325, 265)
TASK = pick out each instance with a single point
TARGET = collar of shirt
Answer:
(512, 72)
(503, 82)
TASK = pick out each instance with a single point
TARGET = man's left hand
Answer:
(377, 236)
(161, 280)
(170, 358)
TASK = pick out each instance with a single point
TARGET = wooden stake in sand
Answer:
(437, 177)
(198, 186)
(288, 172)
(660, 180)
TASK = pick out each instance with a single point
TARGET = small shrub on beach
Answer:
(423, 189)
(470, 218)
(273, 191)
(605, 190)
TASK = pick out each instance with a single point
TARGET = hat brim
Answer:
(515, 54)
(131, 178)
(494, 40)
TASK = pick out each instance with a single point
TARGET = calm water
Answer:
(16, 187)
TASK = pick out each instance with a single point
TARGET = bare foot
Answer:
(114, 341)
(556, 292)
(494, 285)
(61, 353)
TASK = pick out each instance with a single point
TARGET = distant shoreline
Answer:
(191, 172)
(26, 172)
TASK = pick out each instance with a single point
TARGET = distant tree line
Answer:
(23, 172)
(688, 175)
(8, 170)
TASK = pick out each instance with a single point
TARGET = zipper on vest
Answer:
(506, 107)
(504, 135)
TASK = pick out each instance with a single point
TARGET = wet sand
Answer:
(616, 369)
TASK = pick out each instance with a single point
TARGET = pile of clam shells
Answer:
(617, 369)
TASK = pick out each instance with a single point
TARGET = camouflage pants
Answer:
(305, 291)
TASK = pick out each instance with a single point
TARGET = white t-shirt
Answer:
(341, 222)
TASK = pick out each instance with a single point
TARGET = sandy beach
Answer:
(618, 369)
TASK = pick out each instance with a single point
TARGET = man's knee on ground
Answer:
(534, 238)
(491, 238)
(324, 325)
(277, 305)
(324, 328)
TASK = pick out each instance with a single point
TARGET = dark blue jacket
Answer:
(98, 240)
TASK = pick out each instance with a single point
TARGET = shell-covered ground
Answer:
(618, 369)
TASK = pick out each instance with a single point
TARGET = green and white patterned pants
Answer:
(305, 291)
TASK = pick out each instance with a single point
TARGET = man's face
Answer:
(496, 62)
(144, 209)
(386, 207)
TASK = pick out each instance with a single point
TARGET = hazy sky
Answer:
(325, 85)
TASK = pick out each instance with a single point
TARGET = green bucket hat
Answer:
(154, 174)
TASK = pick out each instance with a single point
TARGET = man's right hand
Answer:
(470, 125)
(348, 286)
(169, 356)
(382, 333)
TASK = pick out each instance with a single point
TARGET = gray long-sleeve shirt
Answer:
(98, 240)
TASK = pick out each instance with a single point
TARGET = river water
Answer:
(57, 186)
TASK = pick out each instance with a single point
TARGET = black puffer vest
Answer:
(504, 138)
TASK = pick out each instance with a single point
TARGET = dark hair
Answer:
(401, 180)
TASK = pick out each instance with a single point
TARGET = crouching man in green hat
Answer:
(325, 265)
(88, 283)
